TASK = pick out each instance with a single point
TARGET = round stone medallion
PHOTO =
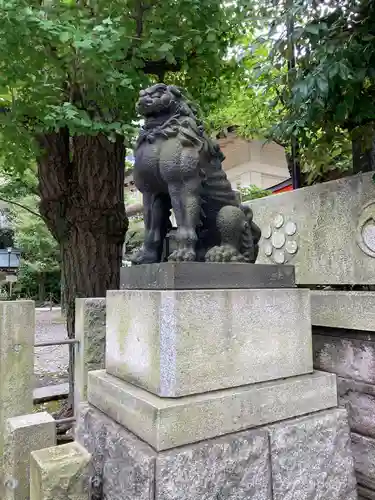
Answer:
(291, 247)
(279, 257)
(278, 239)
(267, 247)
(278, 221)
(290, 228)
(368, 235)
(267, 232)
(366, 229)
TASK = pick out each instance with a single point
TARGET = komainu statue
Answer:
(177, 166)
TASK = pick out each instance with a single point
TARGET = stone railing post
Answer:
(23, 435)
(90, 351)
(60, 473)
(17, 333)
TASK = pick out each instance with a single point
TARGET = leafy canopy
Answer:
(81, 64)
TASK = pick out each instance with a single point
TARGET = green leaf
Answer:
(313, 29)
(65, 36)
(323, 84)
(165, 47)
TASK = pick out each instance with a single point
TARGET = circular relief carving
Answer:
(278, 239)
(279, 257)
(267, 247)
(368, 235)
(290, 228)
(278, 221)
(267, 232)
(366, 230)
(291, 247)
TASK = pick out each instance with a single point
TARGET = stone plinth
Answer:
(166, 423)
(90, 352)
(23, 435)
(237, 466)
(60, 473)
(175, 343)
(204, 275)
(342, 309)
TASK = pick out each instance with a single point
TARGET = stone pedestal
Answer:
(210, 393)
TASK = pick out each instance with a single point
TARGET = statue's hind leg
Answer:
(156, 219)
(231, 223)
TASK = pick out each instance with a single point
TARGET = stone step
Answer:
(180, 342)
(166, 423)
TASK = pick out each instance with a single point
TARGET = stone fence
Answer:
(327, 232)
(23, 432)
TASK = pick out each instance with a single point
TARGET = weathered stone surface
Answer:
(17, 331)
(236, 466)
(60, 473)
(324, 228)
(166, 423)
(365, 493)
(359, 400)
(311, 458)
(175, 343)
(364, 460)
(23, 435)
(90, 352)
(347, 357)
(204, 275)
(339, 309)
(123, 464)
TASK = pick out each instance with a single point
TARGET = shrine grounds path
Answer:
(50, 363)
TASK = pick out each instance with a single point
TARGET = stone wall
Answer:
(344, 344)
(327, 231)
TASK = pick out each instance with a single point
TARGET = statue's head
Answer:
(160, 99)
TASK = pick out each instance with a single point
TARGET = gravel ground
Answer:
(51, 363)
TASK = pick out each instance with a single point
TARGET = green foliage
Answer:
(39, 250)
(81, 64)
(253, 192)
(328, 91)
(39, 273)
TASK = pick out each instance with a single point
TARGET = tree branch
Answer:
(21, 206)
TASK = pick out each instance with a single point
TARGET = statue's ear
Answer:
(174, 90)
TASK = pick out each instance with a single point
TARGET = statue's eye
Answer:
(142, 93)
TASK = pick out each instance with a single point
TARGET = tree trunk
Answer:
(363, 157)
(41, 287)
(81, 181)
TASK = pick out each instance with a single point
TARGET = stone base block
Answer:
(301, 459)
(312, 458)
(364, 460)
(60, 473)
(23, 435)
(166, 423)
(365, 493)
(206, 276)
(177, 343)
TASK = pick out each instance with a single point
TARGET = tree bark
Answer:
(363, 158)
(81, 183)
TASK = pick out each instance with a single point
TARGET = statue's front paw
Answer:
(143, 256)
(224, 253)
(182, 255)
